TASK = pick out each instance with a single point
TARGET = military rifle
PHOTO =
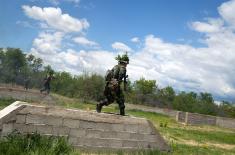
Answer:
(125, 82)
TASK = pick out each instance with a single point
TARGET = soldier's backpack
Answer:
(108, 75)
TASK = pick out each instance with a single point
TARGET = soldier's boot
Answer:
(100, 105)
(122, 111)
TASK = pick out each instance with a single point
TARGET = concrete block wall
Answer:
(86, 129)
(180, 116)
(225, 122)
(189, 118)
(197, 119)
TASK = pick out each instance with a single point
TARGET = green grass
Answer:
(34, 144)
(5, 102)
(214, 137)
(181, 149)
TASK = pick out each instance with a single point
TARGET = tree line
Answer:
(16, 67)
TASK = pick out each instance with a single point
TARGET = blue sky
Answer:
(112, 20)
(178, 43)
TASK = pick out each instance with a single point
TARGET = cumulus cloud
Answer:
(185, 67)
(48, 43)
(48, 47)
(211, 26)
(85, 42)
(121, 47)
(227, 12)
(135, 40)
(54, 18)
(57, 2)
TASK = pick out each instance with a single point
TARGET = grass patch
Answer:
(34, 144)
(183, 149)
(200, 136)
(4, 102)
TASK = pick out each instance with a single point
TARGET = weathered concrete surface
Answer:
(25, 95)
(84, 129)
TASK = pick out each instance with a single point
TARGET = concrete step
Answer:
(83, 128)
(89, 133)
(112, 142)
(124, 135)
(96, 138)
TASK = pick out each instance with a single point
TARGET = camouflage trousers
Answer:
(112, 95)
(46, 87)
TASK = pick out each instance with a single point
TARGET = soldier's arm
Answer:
(122, 73)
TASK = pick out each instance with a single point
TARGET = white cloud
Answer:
(48, 47)
(25, 24)
(227, 12)
(211, 26)
(121, 47)
(135, 40)
(54, 18)
(48, 43)
(185, 67)
(85, 42)
(57, 2)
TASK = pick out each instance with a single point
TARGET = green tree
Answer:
(145, 86)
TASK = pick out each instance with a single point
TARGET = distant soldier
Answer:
(113, 90)
(26, 83)
(46, 82)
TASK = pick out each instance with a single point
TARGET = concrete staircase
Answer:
(84, 129)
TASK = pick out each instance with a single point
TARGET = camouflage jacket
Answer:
(119, 73)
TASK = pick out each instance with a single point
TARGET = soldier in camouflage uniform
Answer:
(46, 82)
(113, 91)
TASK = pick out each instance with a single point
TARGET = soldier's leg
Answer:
(121, 100)
(105, 102)
(48, 88)
(43, 89)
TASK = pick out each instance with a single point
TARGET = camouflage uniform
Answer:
(46, 85)
(113, 91)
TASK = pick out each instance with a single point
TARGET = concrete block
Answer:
(31, 128)
(150, 138)
(71, 123)
(20, 119)
(7, 128)
(131, 128)
(73, 140)
(91, 125)
(60, 130)
(117, 127)
(20, 127)
(93, 134)
(114, 143)
(98, 142)
(35, 119)
(143, 145)
(77, 133)
(55, 121)
(123, 135)
(109, 134)
(136, 136)
(33, 110)
(44, 129)
(144, 129)
(102, 126)
(128, 143)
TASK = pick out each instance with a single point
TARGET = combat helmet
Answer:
(123, 58)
